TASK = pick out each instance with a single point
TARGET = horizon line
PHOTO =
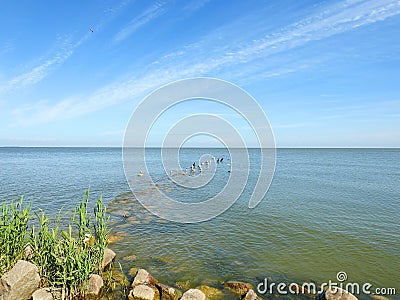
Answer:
(202, 147)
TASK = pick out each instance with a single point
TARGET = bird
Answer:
(140, 174)
(91, 29)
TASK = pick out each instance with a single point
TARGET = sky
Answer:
(326, 73)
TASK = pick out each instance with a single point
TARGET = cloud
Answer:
(194, 5)
(154, 11)
(40, 71)
(292, 125)
(64, 49)
(214, 55)
(112, 133)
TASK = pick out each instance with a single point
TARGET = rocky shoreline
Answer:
(23, 280)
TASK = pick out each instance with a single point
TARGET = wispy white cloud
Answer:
(212, 55)
(40, 71)
(6, 47)
(336, 19)
(194, 5)
(291, 125)
(64, 48)
(112, 133)
(151, 13)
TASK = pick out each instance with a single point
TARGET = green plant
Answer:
(66, 259)
(13, 231)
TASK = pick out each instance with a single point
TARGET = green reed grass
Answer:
(65, 255)
(13, 233)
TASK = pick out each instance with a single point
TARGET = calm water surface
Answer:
(327, 210)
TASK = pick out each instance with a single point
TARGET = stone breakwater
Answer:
(23, 280)
(145, 287)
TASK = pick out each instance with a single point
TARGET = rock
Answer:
(184, 285)
(130, 257)
(251, 295)
(108, 257)
(42, 294)
(162, 260)
(210, 292)
(167, 292)
(238, 287)
(143, 277)
(95, 286)
(113, 238)
(335, 293)
(193, 294)
(20, 282)
(133, 271)
(28, 251)
(119, 278)
(379, 297)
(144, 292)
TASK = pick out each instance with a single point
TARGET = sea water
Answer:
(326, 211)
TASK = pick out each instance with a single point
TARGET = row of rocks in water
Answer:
(145, 287)
(22, 282)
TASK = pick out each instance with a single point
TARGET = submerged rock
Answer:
(379, 297)
(184, 285)
(119, 278)
(238, 287)
(193, 294)
(211, 292)
(20, 282)
(131, 257)
(144, 292)
(113, 238)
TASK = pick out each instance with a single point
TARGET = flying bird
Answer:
(91, 29)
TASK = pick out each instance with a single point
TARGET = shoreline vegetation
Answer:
(42, 259)
(64, 259)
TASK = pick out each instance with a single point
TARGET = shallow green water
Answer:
(328, 210)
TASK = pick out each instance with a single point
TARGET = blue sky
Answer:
(326, 73)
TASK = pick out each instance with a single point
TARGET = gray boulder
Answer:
(144, 292)
(42, 294)
(94, 287)
(143, 277)
(193, 294)
(20, 282)
(108, 257)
